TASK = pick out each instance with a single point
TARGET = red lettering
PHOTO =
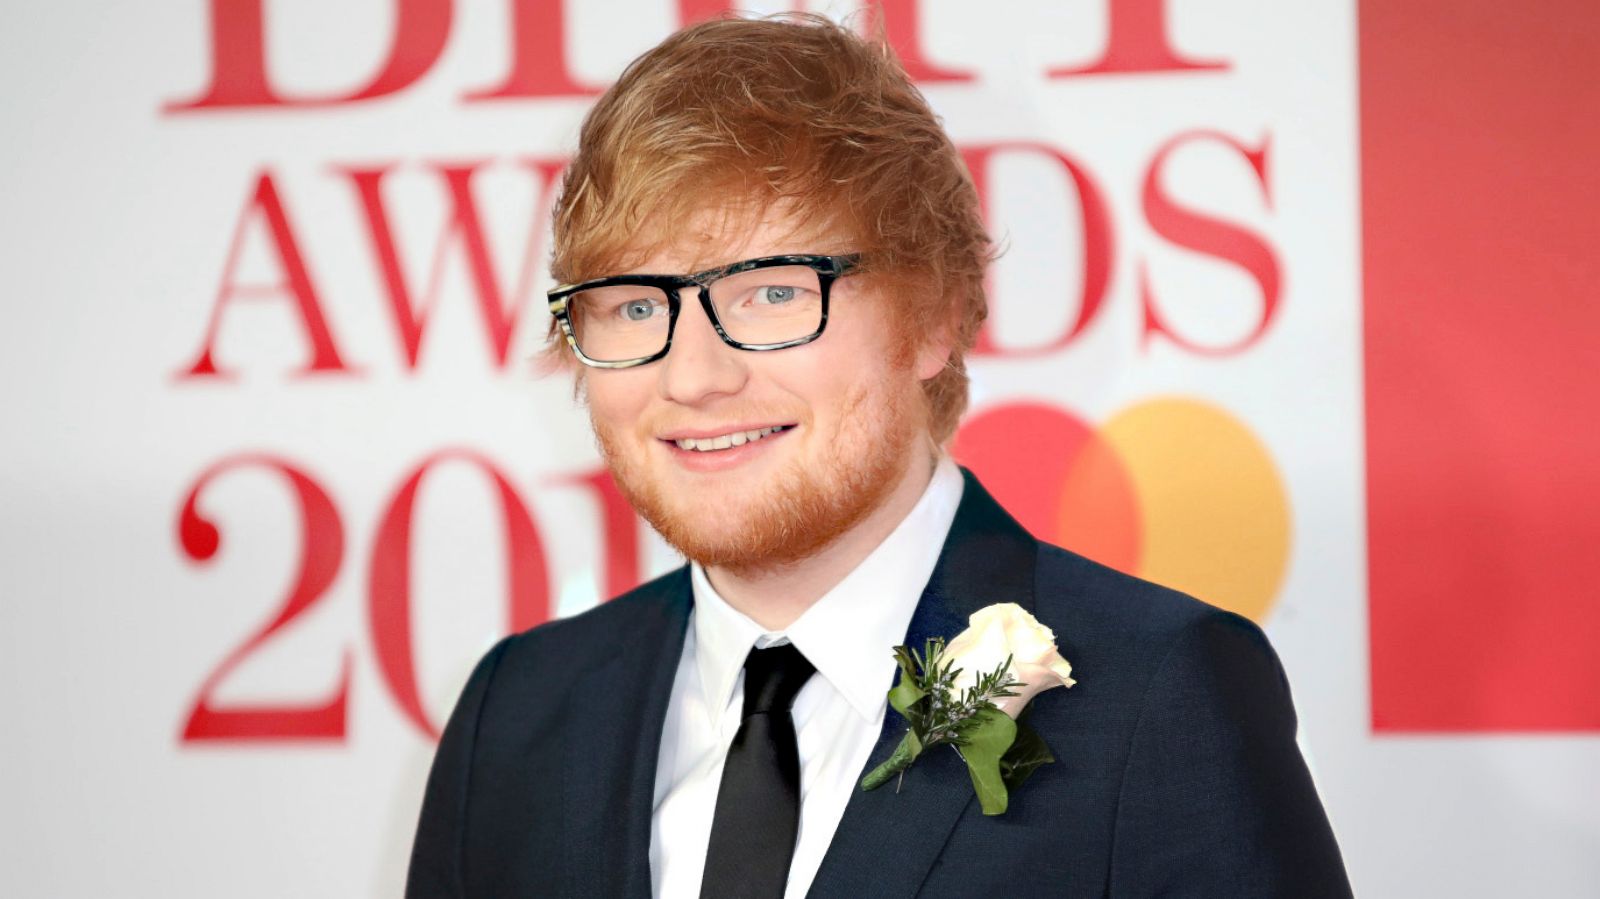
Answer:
(691, 12)
(1137, 41)
(239, 76)
(620, 533)
(899, 20)
(465, 227)
(539, 66)
(389, 585)
(1209, 236)
(1096, 251)
(902, 31)
(321, 549)
(296, 283)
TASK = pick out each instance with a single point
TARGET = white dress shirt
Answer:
(848, 635)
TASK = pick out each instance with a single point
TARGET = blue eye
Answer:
(775, 295)
(637, 310)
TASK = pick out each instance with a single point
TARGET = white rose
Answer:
(992, 633)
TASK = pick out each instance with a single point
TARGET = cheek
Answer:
(831, 390)
(883, 321)
(616, 399)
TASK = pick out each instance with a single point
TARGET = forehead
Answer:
(716, 235)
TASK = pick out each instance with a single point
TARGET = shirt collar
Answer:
(849, 633)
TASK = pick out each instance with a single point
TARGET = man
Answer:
(774, 263)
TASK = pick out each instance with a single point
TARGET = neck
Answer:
(774, 599)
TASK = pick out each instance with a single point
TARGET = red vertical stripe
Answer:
(1480, 154)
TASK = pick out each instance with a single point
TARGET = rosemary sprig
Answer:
(935, 713)
(998, 752)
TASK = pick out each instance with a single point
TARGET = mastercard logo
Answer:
(1172, 489)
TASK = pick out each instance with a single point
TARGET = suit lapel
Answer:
(887, 841)
(608, 791)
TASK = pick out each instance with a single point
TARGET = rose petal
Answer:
(1002, 629)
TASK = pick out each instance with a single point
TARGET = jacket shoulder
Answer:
(1123, 630)
(1188, 717)
(1087, 594)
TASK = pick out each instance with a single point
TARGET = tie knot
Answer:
(772, 677)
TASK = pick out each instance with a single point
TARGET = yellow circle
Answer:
(1215, 512)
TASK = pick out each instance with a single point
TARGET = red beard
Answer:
(800, 510)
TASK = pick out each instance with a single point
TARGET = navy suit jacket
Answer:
(1176, 769)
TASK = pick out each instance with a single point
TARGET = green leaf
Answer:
(1026, 754)
(904, 695)
(910, 747)
(984, 739)
(908, 664)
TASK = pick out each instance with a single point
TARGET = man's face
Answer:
(848, 408)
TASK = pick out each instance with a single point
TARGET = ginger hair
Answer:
(734, 115)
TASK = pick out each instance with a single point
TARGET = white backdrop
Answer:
(130, 222)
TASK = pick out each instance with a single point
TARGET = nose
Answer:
(699, 367)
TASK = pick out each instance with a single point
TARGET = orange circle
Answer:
(1216, 515)
(1056, 476)
(1174, 490)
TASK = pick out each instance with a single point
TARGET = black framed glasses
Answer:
(771, 303)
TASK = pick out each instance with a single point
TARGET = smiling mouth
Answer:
(727, 441)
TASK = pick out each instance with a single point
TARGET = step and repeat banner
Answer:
(279, 465)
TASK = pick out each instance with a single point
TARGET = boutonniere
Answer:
(969, 694)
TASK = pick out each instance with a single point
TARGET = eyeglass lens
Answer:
(760, 307)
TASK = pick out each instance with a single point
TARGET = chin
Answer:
(786, 517)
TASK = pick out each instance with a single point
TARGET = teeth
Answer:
(737, 438)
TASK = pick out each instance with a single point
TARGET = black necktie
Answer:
(758, 802)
